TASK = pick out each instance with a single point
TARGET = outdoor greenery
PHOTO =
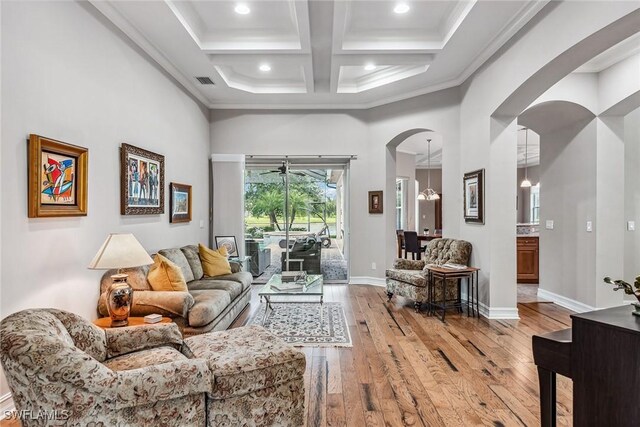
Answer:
(264, 203)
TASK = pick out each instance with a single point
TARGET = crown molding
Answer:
(116, 18)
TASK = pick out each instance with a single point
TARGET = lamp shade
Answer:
(120, 251)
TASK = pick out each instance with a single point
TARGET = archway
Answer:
(502, 155)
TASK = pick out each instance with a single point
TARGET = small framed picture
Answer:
(473, 193)
(141, 181)
(375, 202)
(229, 242)
(180, 202)
(58, 178)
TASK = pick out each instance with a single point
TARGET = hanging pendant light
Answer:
(525, 182)
(429, 193)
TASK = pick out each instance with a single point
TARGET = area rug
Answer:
(301, 325)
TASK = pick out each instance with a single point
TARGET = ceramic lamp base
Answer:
(119, 299)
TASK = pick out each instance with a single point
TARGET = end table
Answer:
(105, 322)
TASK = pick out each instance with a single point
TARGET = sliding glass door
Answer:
(295, 219)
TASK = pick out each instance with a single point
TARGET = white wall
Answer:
(406, 168)
(69, 75)
(427, 207)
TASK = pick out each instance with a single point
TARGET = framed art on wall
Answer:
(179, 202)
(473, 193)
(375, 202)
(141, 181)
(58, 178)
(229, 242)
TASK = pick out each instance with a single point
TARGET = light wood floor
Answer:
(411, 369)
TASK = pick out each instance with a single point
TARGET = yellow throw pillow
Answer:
(214, 263)
(164, 275)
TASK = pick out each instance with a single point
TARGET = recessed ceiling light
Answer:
(242, 9)
(370, 67)
(265, 67)
(401, 8)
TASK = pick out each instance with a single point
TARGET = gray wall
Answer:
(364, 133)
(524, 194)
(69, 75)
(632, 194)
(427, 208)
(568, 197)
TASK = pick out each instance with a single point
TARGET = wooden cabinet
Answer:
(528, 259)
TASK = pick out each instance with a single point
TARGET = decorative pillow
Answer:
(164, 275)
(214, 262)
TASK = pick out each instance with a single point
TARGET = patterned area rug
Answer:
(301, 325)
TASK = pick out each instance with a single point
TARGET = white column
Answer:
(227, 174)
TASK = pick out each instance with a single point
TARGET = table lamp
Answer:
(117, 252)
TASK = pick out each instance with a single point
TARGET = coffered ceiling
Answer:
(318, 53)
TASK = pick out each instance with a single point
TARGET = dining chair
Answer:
(412, 245)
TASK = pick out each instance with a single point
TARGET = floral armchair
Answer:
(408, 278)
(60, 366)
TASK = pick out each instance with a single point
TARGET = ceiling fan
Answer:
(282, 170)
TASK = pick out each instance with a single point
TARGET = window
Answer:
(401, 203)
(535, 204)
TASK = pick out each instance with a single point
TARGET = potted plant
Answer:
(628, 289)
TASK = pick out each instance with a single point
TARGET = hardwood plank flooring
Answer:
(409, 369)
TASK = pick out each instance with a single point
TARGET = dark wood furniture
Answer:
(552, 355)
(528, 259)
(604, 363)
(412, 245)
(421, 238)
(469, 275)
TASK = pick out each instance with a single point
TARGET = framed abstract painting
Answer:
(58, 178)
(141, 181)
(179, 202)
(473, 193)
(229, 242)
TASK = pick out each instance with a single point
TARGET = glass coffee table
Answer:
(312, 287)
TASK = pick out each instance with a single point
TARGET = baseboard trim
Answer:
(6, 405)
(499, 313)
(367, 280)
(565, 302)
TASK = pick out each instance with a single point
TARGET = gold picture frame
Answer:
(58, 178)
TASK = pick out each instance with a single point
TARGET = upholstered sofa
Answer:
(260, 257)
(408, 278)
(211, 304)
(62, 370)
(307, 249)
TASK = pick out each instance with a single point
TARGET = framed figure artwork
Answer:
(58, 178)
(179, 202)
(141, 181)
(473, 193)
(375, 202)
